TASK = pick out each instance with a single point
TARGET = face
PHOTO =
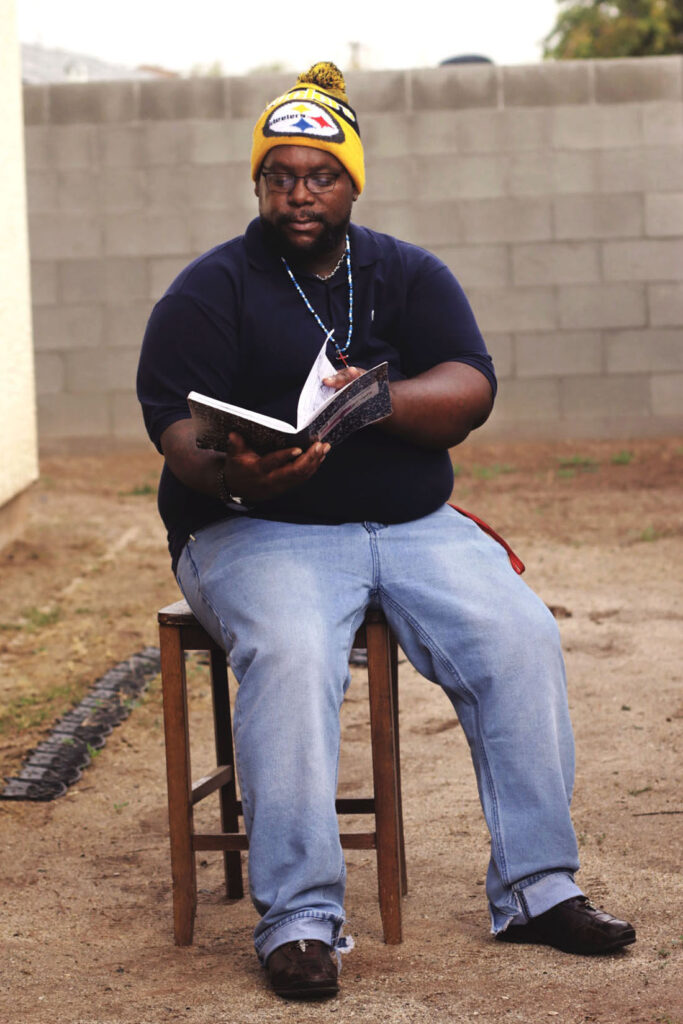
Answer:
(303, 224)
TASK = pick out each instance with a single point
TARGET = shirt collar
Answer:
(364, 247)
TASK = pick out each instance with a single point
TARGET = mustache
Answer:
(291, 218)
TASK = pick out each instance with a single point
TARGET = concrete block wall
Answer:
(553, 191)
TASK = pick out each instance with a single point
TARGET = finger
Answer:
(238, 446)
(343, 377)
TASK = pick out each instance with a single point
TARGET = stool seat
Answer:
(179, 631)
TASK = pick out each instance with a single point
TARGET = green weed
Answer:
(622, 458)
(638, 792)
(491, 472)
(583, 463)
(36, 618)
(140, 490)
(649, 534)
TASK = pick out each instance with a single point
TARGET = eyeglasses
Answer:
(318, 181)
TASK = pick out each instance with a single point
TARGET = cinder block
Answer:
(221, 142)
(393, 180)
(504, 131)
(426, 224)
(596, 127)
(645, 351)
(501, 350)
(59, 328)
(667, 394)
(122, 188)
(386, 135)
(654, 169)
(662, 124)
(35, 104)
(124, 325)
(208, 228)
(167, 142)
(179, 99)
(166, 189)
(433, 132)
(81, 281)
(377, 92)
(550, 172)
(58, 236)
(483, 265)
(638, 79)
(249, 94)
(514, 309)
(453, 176)
(644, 260)
(128, 424)
(78, 191)
(666, 304)
(664, 214)
(547, 85)
(527, 400)
(74, 145)
(600, 397)
(162, 271)
(556, 263)
(608, 305)
(41, 191)
(62, 416)
(125, 280)
(97, 371)
(121, 145)
(603, 216)
(37, 148)
(454, 87)
(220, 186)
(93, 102)
(505, 220)
(50, 375)
(132, 234)
(43, 282)
(559, 354)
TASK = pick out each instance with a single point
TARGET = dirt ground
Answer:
(85, 880)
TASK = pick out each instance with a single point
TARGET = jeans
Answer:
(285, 601)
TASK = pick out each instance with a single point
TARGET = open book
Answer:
(323, 414)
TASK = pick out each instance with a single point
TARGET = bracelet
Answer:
(224, 494)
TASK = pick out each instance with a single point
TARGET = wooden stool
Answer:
(179, 631)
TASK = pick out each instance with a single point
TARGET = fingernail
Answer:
(296, 452)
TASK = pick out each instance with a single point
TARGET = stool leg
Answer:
(222, 724)
(397, 749)
(178, 774)
(382, 731)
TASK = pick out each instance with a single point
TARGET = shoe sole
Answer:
(309, 992)
(531, 938)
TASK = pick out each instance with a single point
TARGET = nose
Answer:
(300, 196)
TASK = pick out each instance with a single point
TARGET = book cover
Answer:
(363, 401)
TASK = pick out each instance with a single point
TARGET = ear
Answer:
(355, 194)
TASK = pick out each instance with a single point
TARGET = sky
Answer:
(256, 33)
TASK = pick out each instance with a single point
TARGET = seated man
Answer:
(279, 555)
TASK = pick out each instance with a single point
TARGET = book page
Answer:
(314, 393)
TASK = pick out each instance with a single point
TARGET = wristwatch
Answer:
(224, 494)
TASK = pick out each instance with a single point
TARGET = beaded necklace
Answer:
(340, 349)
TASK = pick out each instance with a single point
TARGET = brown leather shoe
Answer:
(306, 969)
(574, 926)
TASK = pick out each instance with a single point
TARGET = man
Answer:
(279, 555)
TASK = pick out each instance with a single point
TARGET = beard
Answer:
(329, 239)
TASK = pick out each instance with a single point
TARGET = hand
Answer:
(260, 477)
(343, 377)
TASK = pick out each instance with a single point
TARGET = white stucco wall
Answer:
(18, 463)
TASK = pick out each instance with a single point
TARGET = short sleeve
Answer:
(188, 346)
(439, 325)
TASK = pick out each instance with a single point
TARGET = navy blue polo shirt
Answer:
(233, 326)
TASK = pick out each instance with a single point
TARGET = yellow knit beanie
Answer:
(315, 112)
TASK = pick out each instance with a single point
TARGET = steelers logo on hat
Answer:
(302, 118)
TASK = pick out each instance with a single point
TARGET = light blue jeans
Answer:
(285, 601)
